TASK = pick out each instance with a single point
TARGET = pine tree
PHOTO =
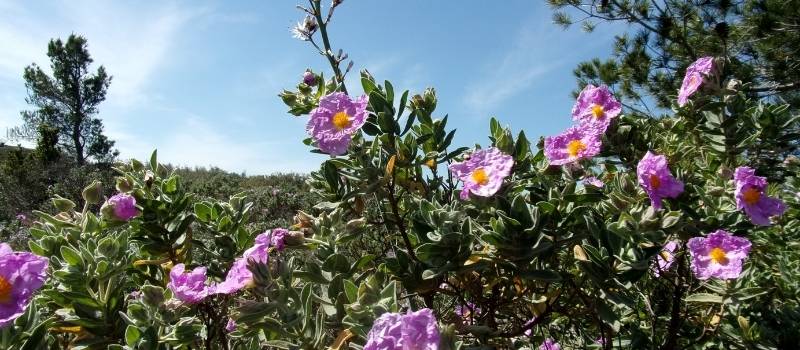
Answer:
(760, 39)
(68, 100)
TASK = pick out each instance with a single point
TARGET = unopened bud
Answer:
(791, 160)
(288, 97)
(579, 253)
(294, 238)
(725, 172)
(93, 193)
(302, 219)
(123, 184)
(149, 177)
(356, 224)
(62, 204)
(309, 78)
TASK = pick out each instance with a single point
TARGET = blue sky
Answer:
(198, 80)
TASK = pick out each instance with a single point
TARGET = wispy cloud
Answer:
(531, 55)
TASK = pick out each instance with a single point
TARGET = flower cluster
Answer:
(335, 120)
(21, 275)
(593, 110)
(395, 331)
(483, 172)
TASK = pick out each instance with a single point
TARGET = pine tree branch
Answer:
(775, 87)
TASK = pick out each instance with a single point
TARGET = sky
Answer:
(198, 80)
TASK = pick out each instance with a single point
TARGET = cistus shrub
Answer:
(625, 231)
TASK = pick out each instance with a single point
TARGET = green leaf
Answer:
(351, 290)
(541, 275)
(154, 160)
(132, 335)
(336, 263)
(704, 298)
(71, 256)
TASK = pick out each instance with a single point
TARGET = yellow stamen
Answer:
(751, 196)
(480, 176)
(655, 182)
(598, 111)
(431, 163)
(341, 120)
(5, 290)
(574, 147)
(666, 255)
(718, 256)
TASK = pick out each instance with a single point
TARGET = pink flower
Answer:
(120, 207)
(21, 275)
(665, 258)
(483, 172)
(654, 177)
(750, 197)
(239, 276)
(720, 255)
(593, 181)
(230, 326)
(694, 78)
(189, 287)
(412, 331)
(595, 107)
(549, 344)
(573, 145)
(334, 122)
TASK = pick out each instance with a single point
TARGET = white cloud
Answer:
(195, 142)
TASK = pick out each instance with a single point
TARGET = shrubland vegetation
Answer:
(664, 218)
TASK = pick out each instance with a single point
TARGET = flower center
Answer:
(598, 112)
(5, 290)
(751, 196)
(480, 176)
(718, 256)
(574, 147)
(431, 163)
(666, 255)
(655, 182)
(693, 79)
(341, 120)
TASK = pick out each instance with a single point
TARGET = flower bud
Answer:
(725, 172)
(149, 177)
(93, 193)
(62, 204)
(309, 78)
(791, 160)
(288, 98)
(294, 238)
(303, 220)
(356, 224)
(123, 185)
